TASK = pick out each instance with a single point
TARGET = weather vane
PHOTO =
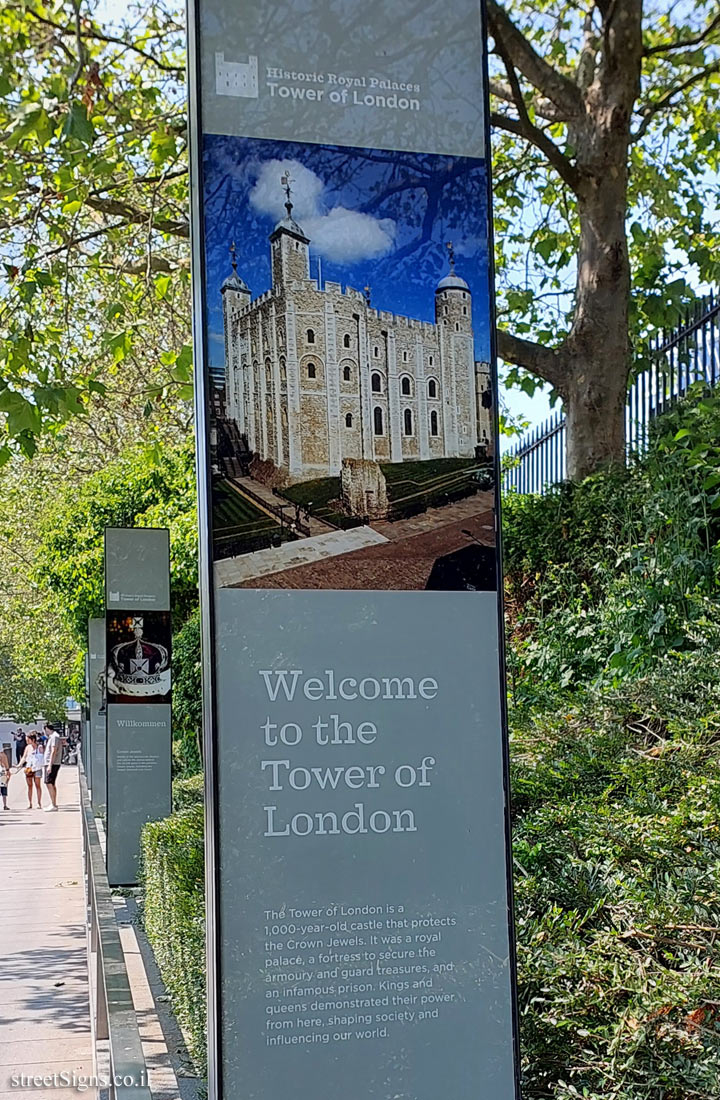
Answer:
(451, 253)
(233, 257)
(286, 181)
(367, 294)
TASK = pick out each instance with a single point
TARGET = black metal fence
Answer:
(678, 359)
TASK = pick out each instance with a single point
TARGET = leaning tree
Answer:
(607, 139)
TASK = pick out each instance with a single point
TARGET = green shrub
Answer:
(174, 918)
(188, 791)
(187, 698)
(604, 577)
(617, 884)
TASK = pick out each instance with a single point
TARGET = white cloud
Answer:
(347, 236)
(339, 235)
(268, 196)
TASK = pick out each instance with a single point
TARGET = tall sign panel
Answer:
(359, 898)
(138, 691)
(85, 742)
(97, 716)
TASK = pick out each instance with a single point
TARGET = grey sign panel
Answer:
(138, 691)
(85, 743)
(363, 912)
(406, 75)
(136, 569)
(97, 715)
(138, 769)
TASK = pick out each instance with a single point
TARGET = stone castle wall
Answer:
(315, 376)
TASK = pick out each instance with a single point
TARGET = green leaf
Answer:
(22, 416)
(78, 125)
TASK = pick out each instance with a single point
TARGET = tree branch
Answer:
(564, 167)
(651, 109)
(540, 360)
(82, 52)
(138, 217)
(153, 263)
(110, 39)
(684, 43)
(559, 89)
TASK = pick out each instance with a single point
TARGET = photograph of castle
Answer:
(350, 362)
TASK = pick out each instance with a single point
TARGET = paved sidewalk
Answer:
(44, 1007)
(234, 572)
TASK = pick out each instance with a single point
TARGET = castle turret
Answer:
(453, 315)
(290, 247)
(234, 291)
(453, 301)
(235, 297)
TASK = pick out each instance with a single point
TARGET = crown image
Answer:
(139, 667)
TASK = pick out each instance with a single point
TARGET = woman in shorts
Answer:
(31, 762)
(4, 778)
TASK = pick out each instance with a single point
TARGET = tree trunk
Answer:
(591, 366)
(597, 352)
(595, 415)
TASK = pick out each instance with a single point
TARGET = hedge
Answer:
(174, 918)
(187, 792)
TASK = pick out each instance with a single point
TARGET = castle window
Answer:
(311, 336)
(346, 341)
(407, 422)
(405, 386)
(432, 388)
(457, 327)
(404, 357)
(445, 310)
(283, 370)
(376, 385)
(377, 420)
(346, 374)
(348, 420)
(464, 311)
(312, 370)
(486, 399)
(433, 423)
(376, 352)
(430, 360)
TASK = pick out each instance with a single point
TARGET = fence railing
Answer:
(119, 1059)
(680, 358)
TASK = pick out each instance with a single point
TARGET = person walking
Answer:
(52, 760)
(4, 777)
(33, 762)
(20, 743)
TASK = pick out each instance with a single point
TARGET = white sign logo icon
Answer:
(114, 597)
(236, 77)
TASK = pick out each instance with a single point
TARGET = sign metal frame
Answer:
(203, 429)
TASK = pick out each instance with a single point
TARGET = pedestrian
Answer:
(20, 743)
(32, 763)
(4, 777)
(52, 761)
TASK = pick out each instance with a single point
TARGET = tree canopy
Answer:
(94, 300)
(606, 146)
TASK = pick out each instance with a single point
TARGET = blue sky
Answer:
(374, 218)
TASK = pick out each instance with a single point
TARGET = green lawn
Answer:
(232, 514)
(432, 477)
(319, 493)
(405, 481)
